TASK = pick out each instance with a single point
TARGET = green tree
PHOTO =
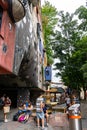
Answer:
(49, 21)
(81, 12)
(69, 43)
(66, 39)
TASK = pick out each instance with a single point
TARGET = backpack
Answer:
(22, 118)
(15, 117)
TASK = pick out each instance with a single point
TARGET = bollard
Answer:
(75, 117)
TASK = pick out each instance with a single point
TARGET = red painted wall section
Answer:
(4, 4)
(7, 44)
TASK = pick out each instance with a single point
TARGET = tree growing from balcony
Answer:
(49, 22)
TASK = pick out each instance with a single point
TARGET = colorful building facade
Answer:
(22, 55)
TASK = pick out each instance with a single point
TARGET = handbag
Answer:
(6, 109)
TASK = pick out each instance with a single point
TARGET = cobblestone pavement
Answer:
(84, 114)
(57, 121)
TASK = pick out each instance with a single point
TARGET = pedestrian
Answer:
(75, 100)
(46, 115)
(39, 111)
(68, 101)
(29, 109)
(2, 101)
(68, 104)
(6, 107)
(26, 110)
(23, 115)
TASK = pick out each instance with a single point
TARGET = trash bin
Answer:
(75, 117)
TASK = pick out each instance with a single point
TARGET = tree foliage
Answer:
(69, 42)
(66, 37)
(82, 15)
(49, 21)
(70, 48)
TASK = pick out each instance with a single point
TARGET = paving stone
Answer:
(57, 121)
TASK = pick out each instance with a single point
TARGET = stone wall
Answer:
(23, 96)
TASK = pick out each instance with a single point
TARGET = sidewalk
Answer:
(57, 121)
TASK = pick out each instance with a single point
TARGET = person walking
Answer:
(6, 107)
(39, 111)
(68, 101)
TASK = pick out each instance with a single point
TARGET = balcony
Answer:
(34, 2)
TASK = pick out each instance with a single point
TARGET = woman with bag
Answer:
(6, 107)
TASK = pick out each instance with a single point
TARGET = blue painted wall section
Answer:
(48, 73)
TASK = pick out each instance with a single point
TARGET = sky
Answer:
(67, 6)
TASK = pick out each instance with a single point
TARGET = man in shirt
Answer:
(39, 111)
